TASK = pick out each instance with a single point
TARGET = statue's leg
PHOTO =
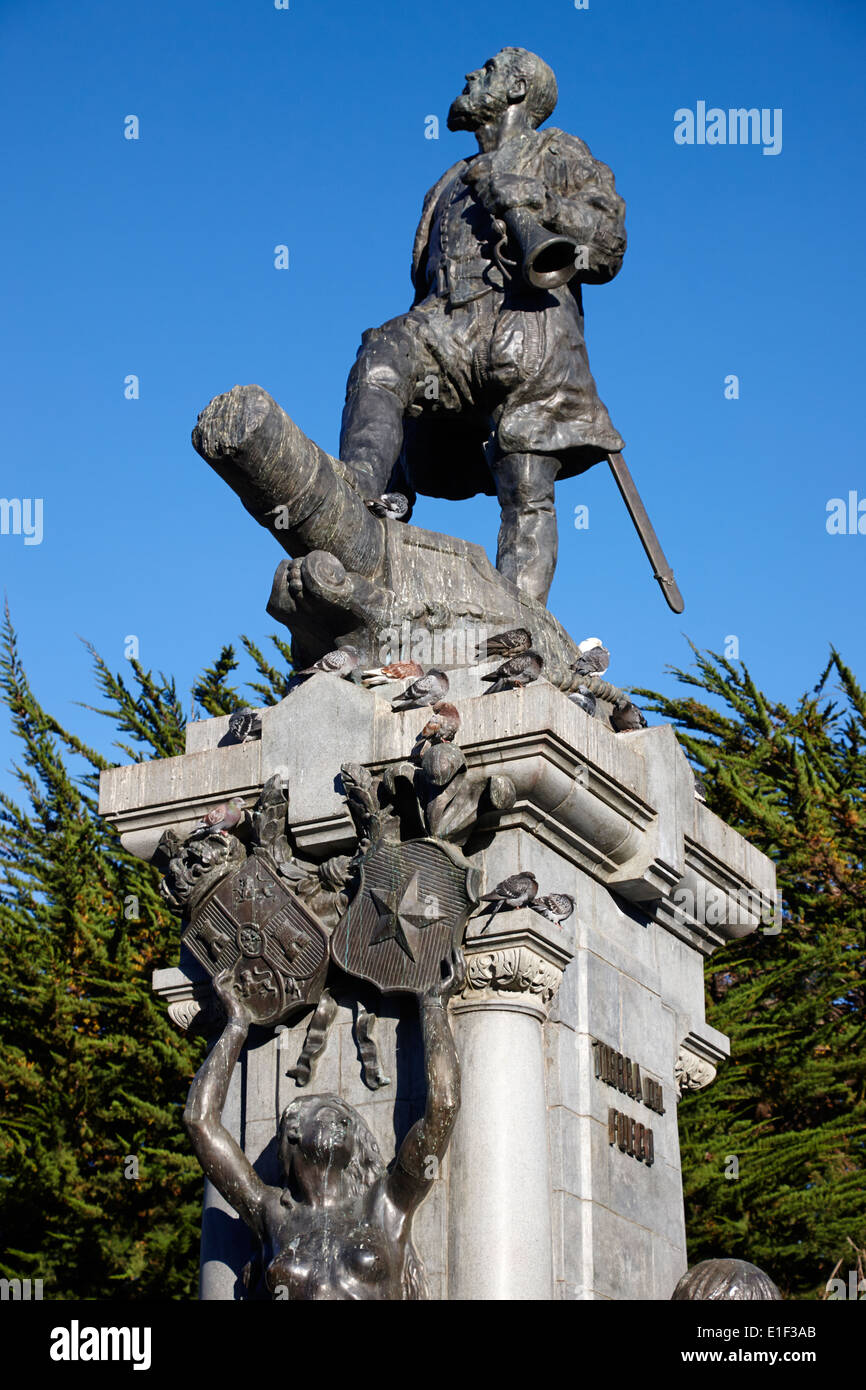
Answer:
(526, 553)
(378, 393)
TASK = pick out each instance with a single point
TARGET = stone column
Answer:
(500, 1163)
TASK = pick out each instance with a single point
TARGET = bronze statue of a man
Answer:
(484, 385)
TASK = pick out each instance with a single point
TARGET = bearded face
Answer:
(485, 96)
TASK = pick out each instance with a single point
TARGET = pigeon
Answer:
(584, 699)
(518, 671)
(510, 643)
(516, 891)
(397, 671)
(223, 817)
(556, 907)
(426, 691)
(444, 724)
(700, 789)
(391, 505)
(244, 724)
(340, 662)
(626, 718)
(594, 658)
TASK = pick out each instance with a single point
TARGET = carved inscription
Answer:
(620, 1071)
(630, 1136)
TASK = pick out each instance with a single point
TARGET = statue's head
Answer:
(514, 76)
(324, 1132)
(726, 1279)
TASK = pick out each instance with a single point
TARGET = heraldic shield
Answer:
(408, 913)
(252, 925)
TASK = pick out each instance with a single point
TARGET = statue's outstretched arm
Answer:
(221, 1157)
(424, 1146)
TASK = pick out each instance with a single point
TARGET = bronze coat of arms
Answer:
(409, 910)
(254, 926)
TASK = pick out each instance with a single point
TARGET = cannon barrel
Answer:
(292, 487)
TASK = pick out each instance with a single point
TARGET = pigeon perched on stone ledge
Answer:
(443, 725)
(556, 907)
(340, 662)
(516, 891)
(245, 724)
(510, 643)
(224, 817)
(517, 672)
(584, 699)
(626, 718)
(594, 657)
(397, 671)
(427, 691)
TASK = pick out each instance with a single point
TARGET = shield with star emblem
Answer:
(408, 913)
(254, 926)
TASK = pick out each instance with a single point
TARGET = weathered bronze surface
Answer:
(407, 915)
(715, 1280)
(340, 1227)
(274, 950)
(482, 386)
(488, 370)
(267, 926)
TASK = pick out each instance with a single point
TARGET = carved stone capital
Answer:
(183, 1011)
(517, 968)
(692, 1072)
(191, 1004)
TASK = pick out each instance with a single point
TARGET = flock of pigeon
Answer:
(519, 666)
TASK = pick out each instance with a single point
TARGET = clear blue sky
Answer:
(306, 127)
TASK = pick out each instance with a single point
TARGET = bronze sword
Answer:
(644, 527)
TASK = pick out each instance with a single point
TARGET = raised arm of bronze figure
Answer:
(424, 1146)
(221, 1157)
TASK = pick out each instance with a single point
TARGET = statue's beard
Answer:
(470, 113)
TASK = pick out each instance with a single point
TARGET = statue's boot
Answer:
(371, 436)
(526, 553)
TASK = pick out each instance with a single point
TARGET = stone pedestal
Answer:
(563, 1175)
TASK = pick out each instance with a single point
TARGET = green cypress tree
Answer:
(99, 1194)
(790, 1106)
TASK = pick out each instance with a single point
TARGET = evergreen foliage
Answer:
(92, 1073)
(791, 1103)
